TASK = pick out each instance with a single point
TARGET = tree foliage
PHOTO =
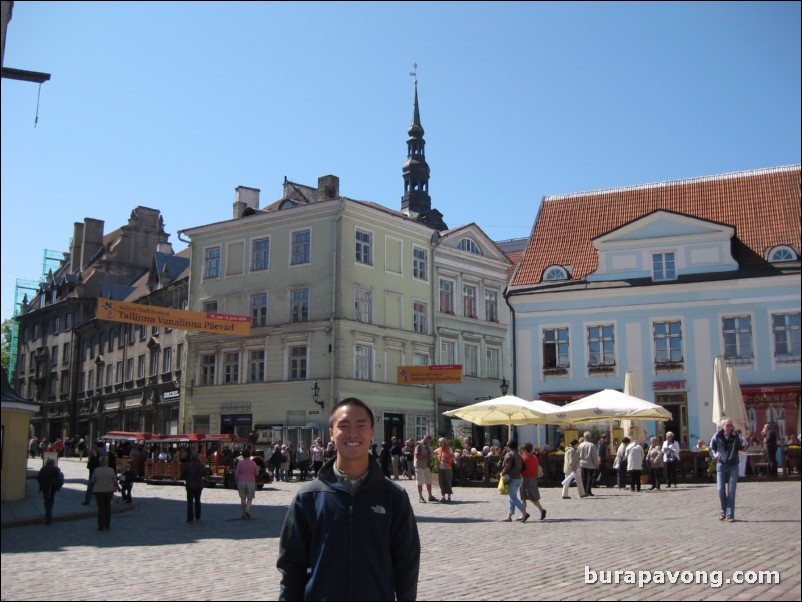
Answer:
(5, 344)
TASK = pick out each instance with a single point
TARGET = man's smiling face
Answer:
(351, 432)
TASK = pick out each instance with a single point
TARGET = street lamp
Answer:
(315, 393)
(504, 386)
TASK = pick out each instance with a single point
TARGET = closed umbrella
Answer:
(728, 402)
(634, 429)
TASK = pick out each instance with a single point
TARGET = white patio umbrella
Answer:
(610, 404)
(728, 402)
(507, 410)
(634, 429)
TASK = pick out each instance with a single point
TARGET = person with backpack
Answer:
(50, 480)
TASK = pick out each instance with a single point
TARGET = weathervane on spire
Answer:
(414, 73)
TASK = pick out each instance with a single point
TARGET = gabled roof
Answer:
(763, 205)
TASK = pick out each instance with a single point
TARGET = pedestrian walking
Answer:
(570, 470)
(511, 469)
(724, 447)
(245, 474)
(529, 488)
(104, 481)
(50, 480)
(423, 458)
(194, 480)
(445, 468)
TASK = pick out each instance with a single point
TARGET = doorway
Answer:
(677, 404)
(393, 427)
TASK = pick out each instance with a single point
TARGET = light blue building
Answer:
(659, 279)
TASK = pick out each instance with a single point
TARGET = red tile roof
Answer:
(763, 205)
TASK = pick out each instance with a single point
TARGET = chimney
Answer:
(328, 188)
(245, 198)
(75, 249)
(165, 247)
(92, 240)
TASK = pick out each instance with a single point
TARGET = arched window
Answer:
(782, 253)
(555, 272)
(469, 246)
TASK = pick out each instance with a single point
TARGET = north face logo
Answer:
(379, 509)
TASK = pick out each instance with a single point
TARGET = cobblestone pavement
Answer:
(152, 553)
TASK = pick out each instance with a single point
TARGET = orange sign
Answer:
(429, 375)
(151, 315)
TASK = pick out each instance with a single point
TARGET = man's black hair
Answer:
(352, 401)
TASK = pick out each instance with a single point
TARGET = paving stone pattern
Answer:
(152, 553)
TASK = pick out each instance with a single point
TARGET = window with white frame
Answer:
(167, 360)
(140, 366)
(555, 350)
(301, 247)
(57, 325)
(154, 362)
(208, 366)
(231, 367)
(421, 427)
(119, 376)
(491, 306)
(54, 355)
(448, 353)
(363, 362)
(469, 301)
(420, 359)
(297, 362)
(469, 246)
(471, 364)
(109, 374)
(256, 365)
(299, 305)
(362, 305)
(601, 346)
(211, 263)
(555, 272)
(54, 383)
(260, 254)
(420, 263)
(259, 309)
(68, 322)
(90, 381)
(782, 253)
(65, 382)
(65, 353)
(737, 332)
(363, 248)
(493, 363)
(663, 267)
(785, 331)
(446, 296)
(668, 344)
(419, 319)
(129, 369)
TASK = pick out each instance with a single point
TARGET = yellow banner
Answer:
(164, 317)
(429, 375)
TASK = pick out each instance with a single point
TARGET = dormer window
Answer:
(663, 267)
(782, 253)
(469, 246)
(555, 272)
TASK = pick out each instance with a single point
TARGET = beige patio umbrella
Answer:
(634, 429)
(507, 410)
(728, 402)
(609, 404)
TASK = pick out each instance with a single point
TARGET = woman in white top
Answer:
(671, 459)
(634, 454)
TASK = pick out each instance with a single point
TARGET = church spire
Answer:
(416, 201)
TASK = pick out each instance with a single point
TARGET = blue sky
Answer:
(174, 105)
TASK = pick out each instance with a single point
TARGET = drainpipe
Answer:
(335, 256)
(514, 376)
